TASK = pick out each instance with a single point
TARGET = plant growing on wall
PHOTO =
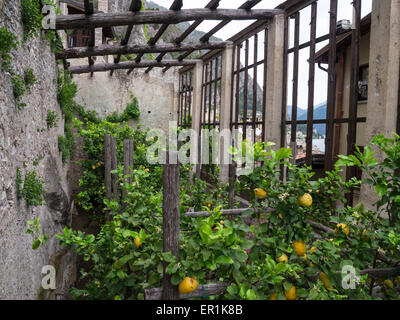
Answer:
(34, 229)
(52, 119)
(29, 78)
(19, 89)
(31, 17)
(32, 189)
(8, 41)
(131, 112)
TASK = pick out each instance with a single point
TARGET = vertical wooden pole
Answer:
(126, 165)
(295, 90)
(130, 158)
(107, 165)
(311, 79)
(353, 104)
(171, 220)
(114, 166)
(232, 176)
(330, 113)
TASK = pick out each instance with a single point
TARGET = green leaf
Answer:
(36, 244)
(175, 279)
(250, 295)
(232, 289)
(381, 190)
(171, 268)
(121, 262)
(224, 259)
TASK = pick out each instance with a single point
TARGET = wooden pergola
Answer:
(91, 20)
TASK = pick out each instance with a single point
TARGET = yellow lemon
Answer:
(283, 258)
(345, 229)
(325, 280)
(389, 284)
(291, 294)
(187, 285)
(280, 216)
(221, 222)
(98, 164)
(93, 167)
(207, 203)
(300, 248)
(147, 170)
(138, 242)
(305, 200)
(273, 296)
(260, 193)
(313, 249)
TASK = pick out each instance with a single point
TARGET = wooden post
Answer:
(171, 220)
(114, 166)
(107, 165)
(130, 158)
(128, 164)
(232, 176)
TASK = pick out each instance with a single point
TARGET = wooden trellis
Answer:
(91, 20)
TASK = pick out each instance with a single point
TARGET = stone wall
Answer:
(26, 143)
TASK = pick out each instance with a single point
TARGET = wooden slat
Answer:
(331, 86)
(89, 9)
(245, 89)
(129, 64)
(136, 6)
(176, 5)
(255, 85)
(311, 79)
(205, 290)
(213, 4)
(104, 50)
(293, 138)
(264, 117)
(226, 212)
(353, 101)
(171, 220)
(107, 165)
(245, 6)
(99, 20)
(114, 166)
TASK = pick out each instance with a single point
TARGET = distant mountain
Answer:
(319, 113)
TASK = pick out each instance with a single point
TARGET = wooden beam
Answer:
(176, 5)
(207, 290)
(247, 5)
(105, 49)
(130, 64)
(89, 9)
(171, 219)
(213, 4)
(136, 5)
(227, 212)
(99, 20)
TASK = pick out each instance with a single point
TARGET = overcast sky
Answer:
(344, 12)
